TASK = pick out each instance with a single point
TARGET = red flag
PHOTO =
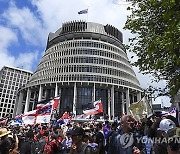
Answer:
(56, 103)
(65, 116)
(98, 108)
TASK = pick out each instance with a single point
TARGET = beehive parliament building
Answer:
(83, 62)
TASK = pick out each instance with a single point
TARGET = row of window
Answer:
(15, 79)
(86, 43)
(85, 68)
(6, 91)
(15, 73)
(10, 87)
(7, 105)
(83, 77)
(3, 95)
(78, 52)
(90, 60)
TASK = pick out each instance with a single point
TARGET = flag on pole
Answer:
(54, 102)
(98, 108)
(83, 11)
(43, 112)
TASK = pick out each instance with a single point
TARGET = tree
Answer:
(156, 25)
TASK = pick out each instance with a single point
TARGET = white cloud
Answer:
(26, 60)
(24, 20)
(7, 38)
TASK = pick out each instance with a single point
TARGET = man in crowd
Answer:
(78, 146)
(122, 141)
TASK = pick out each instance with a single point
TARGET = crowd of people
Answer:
(157, 134)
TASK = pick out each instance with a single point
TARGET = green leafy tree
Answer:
(156, 25)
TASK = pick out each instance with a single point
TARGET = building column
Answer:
(34, 101)
(109, 104)
(112, 101)
(138, 96)
(59, 94)
(122, 106)
(127, 100)
(19, 104)
(56, 90)
(40, 93)
(26, 109)
(75, 98)
(94, 93)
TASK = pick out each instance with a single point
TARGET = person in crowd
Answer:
(113, 130)
(66, 143)
(164, 126)
(9, 145)
(28, 146)
(53, 146)
(78, 146)
(4, 132)
(119, 144)
(100, 139)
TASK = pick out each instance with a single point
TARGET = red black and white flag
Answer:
(98, 108)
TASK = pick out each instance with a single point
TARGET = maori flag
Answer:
(54, 102)
(98, 108)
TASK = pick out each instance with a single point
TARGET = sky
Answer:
(25, 25)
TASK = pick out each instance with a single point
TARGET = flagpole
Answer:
(87, 13)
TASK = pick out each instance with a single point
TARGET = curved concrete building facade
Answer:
(83, 62)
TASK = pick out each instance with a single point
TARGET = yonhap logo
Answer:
(126, 140)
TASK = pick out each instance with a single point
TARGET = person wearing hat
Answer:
(8, 142)
(164, 126)
(4, 132)
(78, 146)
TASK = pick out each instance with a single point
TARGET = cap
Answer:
(77, 131)
(166, 124)
(4, 131)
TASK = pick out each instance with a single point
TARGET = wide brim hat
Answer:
(4, 131)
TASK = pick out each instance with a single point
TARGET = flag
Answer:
(98, 108)
(65, 116)
(29, 117)
(40, 115)
(83, 11)
(138, 109)
(54, 102)
(43, 115)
